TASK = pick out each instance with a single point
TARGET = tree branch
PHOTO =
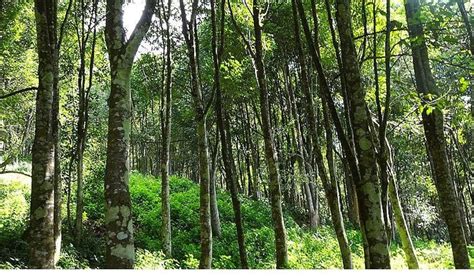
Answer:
(18, 92)
(141, 28)
(22, 173)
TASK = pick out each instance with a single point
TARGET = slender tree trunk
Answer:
(223, 128)
(41, 226)
(433, 124)
(166, 137)
(302, 158)
(368, 194)
(467, 19)
(57, 167)
(329, 184)
(165, 140)
(402, 228)
(215, 220)
(201, 130)
(270, 154)
(120, 250)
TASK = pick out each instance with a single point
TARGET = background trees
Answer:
(310, 118)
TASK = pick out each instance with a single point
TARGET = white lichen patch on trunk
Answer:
(123, 252)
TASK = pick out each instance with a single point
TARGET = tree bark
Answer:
(433, 124)
(368, 194)
(215, 219)
(223, 128)
(166, 139)
(270, 155)
(41, 226)
(120, 250)
(201, 130)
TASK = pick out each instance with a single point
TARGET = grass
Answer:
(306, 249)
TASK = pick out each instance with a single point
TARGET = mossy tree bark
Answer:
(41, 238)
(120, 250)
(201, 131)
(368, 194)
(433, 124)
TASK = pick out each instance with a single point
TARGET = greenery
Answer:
(307, 249)
(320, 107)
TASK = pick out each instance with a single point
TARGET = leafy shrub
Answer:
(153, 260)
(14, 206)
(307, 249)
(71, 259)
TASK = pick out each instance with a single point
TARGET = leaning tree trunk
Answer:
(368, 194)
(120, 250)
(41, 226)
(215, 219)
(433, 124)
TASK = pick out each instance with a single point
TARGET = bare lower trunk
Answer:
(201, 134)
(165, 141)
(120, 249)
(270, 154)
(41, 240)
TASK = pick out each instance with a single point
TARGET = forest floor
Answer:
(307, 248)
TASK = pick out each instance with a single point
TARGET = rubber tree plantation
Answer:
(225, 134)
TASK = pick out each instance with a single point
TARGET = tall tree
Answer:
(166, 135)
(433, 124)
(83, 34)
(389, 188)
(226, 146)
(120, 250)
(256, 54)
(368, 194)
(41, 225)
(329, 183)
(189, 34)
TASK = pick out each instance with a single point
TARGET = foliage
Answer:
(306, 249)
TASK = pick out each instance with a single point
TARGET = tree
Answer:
(368, 194)
(83, 34)
(270, 154)
(166, 136)
(119, 247)
(222, 124)
(433, 124)
(329, 183)
(41, 227)
(189, 34)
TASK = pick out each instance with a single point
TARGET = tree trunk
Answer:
(223, 128)
(165, 142)
(402, 228)
(368, 194)
(120, 250)
(270, 155)
(201, 130)
(433, 124)
(215, 220)
(42, 213)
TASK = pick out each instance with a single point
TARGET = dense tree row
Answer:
(346, 113)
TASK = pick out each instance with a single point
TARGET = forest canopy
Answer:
(243, 134)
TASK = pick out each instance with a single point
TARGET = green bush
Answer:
(14, 206)
(307, 249)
